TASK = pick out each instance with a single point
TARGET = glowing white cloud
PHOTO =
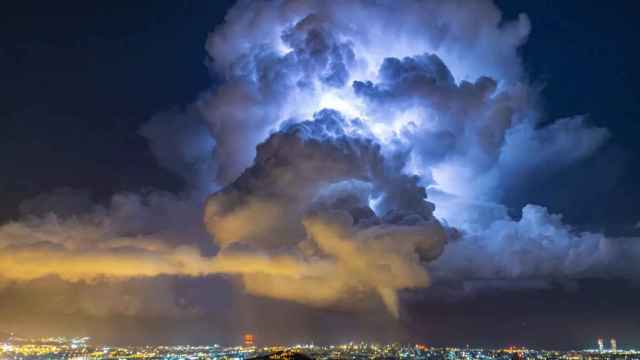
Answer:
(342, 100)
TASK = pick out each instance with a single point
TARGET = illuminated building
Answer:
(600, 344)
(248, 340)
(64, 348)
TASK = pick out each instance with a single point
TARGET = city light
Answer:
(81, 348)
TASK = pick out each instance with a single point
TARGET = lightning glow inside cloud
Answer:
(333, 123)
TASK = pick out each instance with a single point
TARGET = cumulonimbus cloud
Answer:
(444, 99)
(333, 122)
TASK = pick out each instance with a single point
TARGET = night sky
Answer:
(87, 89)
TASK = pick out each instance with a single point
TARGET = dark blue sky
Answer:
(79, 78)
(582, 53)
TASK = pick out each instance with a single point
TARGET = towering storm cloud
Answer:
(353, 148)
(442, 96)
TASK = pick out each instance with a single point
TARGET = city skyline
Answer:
(249, 341)
(417, 171)
(83, 348)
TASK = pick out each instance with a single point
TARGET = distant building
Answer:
(601, 344)
(614, 345)
(248, 340)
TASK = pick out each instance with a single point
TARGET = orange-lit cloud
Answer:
(73, 265)
(346, 261)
